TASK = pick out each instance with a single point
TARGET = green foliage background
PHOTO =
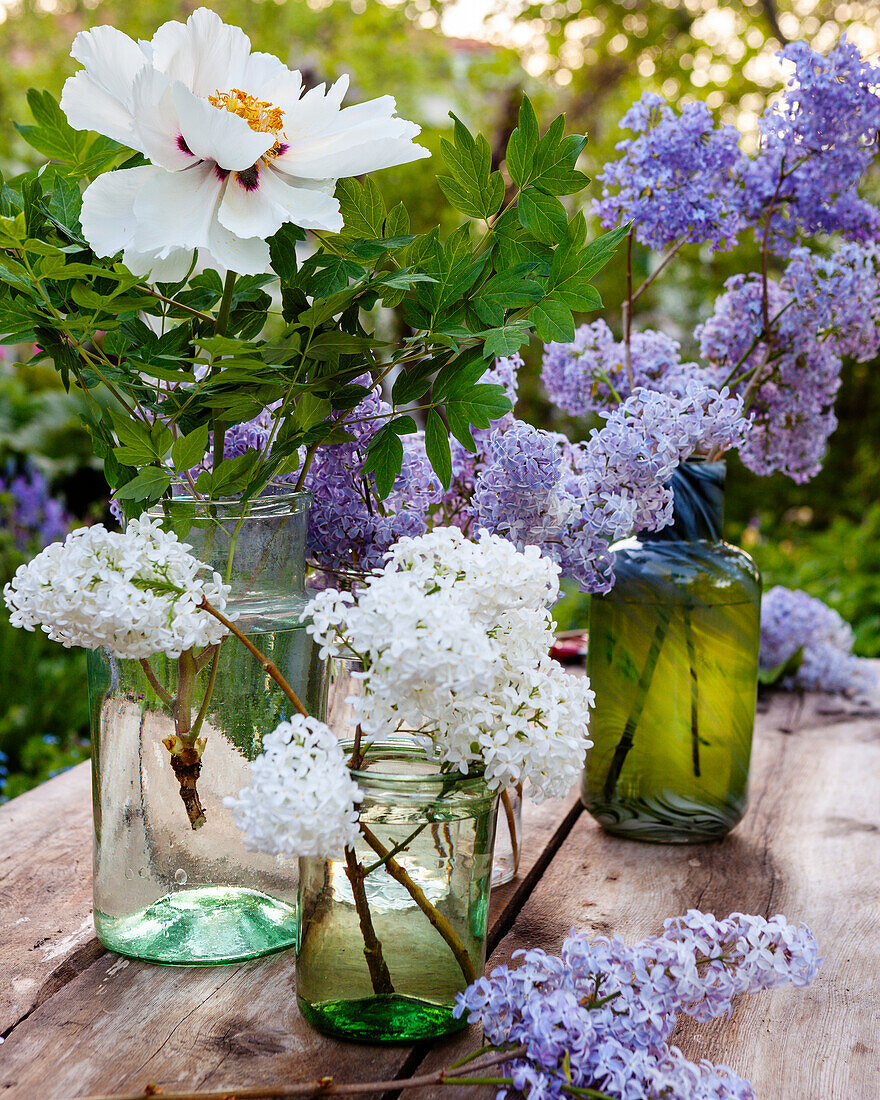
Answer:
(591, 58)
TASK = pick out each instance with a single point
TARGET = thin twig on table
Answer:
(324, 1086)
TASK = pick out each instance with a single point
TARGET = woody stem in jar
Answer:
(263, 661)
(435, 917)
(184, 745)
(378, 968)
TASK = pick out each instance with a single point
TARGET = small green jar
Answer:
(673, 660)
(384, 947)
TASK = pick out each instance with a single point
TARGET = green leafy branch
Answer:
(166, 365)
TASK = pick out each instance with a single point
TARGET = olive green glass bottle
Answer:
(673, 660)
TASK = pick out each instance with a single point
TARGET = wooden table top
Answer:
(78, 1020)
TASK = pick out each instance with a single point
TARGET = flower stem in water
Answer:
(642, 688)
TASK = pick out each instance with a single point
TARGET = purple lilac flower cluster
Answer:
(572, 500)
(674, 180)
(779, 344)
(599, 1015)
(590, 373)
(838, 296)
(29, 512)
(457, 500)
(793, 379)
(816, 142)
(791, 620)
(348, 527)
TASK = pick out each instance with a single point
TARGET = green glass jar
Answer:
(673, 660)
(173, 880)
(391, 933)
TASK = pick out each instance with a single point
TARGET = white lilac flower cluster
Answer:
(134, 593)
(455, 636)
(791, 621)
(302, 798)
(599, 1016)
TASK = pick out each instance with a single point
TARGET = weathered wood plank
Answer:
(121, 1024)
(46, 932)
(808, 848)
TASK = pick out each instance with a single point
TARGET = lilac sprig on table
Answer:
(806, 645)
(599, 1015)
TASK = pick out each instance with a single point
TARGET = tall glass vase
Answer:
(672, 658)
(390, 933)
(172, 738)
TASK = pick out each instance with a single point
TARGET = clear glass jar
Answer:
(673, 660)
(389, 934)
(342, 685)
(173, 880)
(508, 836)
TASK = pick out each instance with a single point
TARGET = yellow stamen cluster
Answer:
(259, 114)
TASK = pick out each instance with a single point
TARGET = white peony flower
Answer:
(302, 797)
(134, 593)
(455, 638)
(236, 147)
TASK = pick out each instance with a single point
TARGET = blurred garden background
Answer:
(590, 58)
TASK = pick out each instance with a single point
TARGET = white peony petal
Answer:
(168, 270)
(246, 255)
(204, 53)
(348, 142)
(306, 206)
(246, 209)
(269, 79)
(107, 215)
(353, 156)
(156, 125)
(88, 106)
(316, 109)
(175, 209)
(212, 133)
(259, 210)
(111, 58)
